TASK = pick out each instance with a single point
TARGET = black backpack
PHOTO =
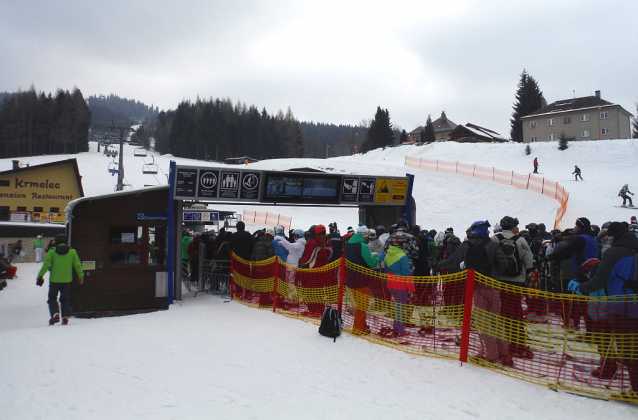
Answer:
(330, 323)
(476, 258)
(514, 263)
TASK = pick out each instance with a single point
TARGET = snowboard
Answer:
(627, 207)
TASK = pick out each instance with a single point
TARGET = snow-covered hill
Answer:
(204, 358)
(442, 199)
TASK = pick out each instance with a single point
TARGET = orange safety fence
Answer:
(264, 218)
(574, 343)
(540, 185)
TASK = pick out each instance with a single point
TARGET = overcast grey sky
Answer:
(329, 61)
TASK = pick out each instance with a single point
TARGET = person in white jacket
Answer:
(295, 251)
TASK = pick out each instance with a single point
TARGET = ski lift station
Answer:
(130, 241)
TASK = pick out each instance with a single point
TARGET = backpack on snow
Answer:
(514, 263)
(330, 323)
(476, 258)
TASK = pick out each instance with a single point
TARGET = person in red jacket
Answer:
(535, 165)
(316, 255)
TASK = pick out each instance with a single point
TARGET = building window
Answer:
(5, 183)
(442, 136)
(533, 139)
(567, 120)
(21, 208)
(38, 209)
(584, 117)
(551, 121)
(125, 244)
(551, 137)
(5, 213)
(604, 115)
(584, 133)
(54, 210)
(532, 124)
(605, 131)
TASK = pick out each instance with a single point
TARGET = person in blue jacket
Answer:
(280, 250)
(400, 284)
(615, 277)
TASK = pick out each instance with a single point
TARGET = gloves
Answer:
(39, 281)
(574, 286)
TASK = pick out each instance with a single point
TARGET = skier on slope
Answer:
(623, 193)
(576, 173)
(535, 165)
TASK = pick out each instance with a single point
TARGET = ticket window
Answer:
(139, 245)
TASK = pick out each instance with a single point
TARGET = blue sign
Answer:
(200, 216)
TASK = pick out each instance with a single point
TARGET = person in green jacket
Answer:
(38, 245)
(186, 241)
(61, 260)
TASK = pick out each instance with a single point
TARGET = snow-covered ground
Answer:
(204, 358)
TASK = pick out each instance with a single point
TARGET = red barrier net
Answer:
(574, 343)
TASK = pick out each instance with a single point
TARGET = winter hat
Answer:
(372, 234)
(541, 227)
(60, 239)
(449, 231)
(40, 236)
(480, 227)
(404, 223)
(350, 230)
(333, 227)
(362, 229)
(270, 233)
(615, 228)
(633, 220)
(279, 230)
(508, 223)
(583, 223)
(497, 228)
(320, 229)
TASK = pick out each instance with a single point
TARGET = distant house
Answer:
(586, 118)
(442, 127)
(472, 133)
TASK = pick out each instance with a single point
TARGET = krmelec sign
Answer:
(49, 185)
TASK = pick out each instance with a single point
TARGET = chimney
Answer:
(598, 94)
(16, 164)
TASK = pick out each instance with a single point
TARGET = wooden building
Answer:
(121, 239)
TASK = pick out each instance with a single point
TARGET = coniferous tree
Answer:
(563, 140)
(529, 98)
(428, 132)
(379, 132)
(404, 138)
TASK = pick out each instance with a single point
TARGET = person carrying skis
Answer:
(623, 193)
(576, 173)
(535, 165)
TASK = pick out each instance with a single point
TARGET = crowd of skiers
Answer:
(550, 261)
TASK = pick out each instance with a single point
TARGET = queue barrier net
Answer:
(579, 344)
